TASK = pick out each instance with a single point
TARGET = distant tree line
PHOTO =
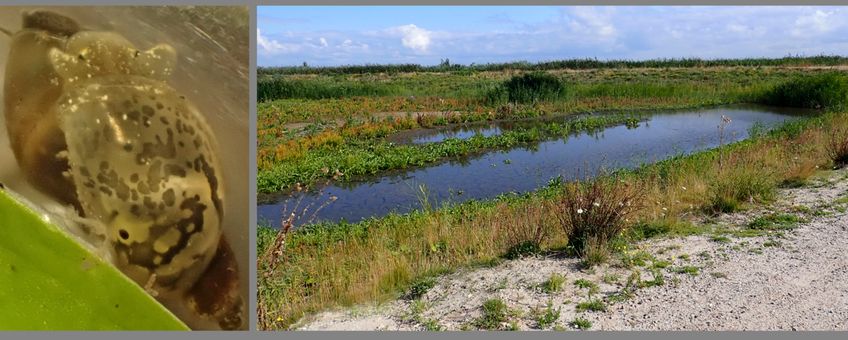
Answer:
(446, 66)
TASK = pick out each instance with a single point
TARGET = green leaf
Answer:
(49, 281)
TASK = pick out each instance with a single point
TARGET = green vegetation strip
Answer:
(50, 282)
(368, 157)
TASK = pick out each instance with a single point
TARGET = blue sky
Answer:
(341, 35)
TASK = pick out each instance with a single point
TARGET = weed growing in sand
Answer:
(660, 264)
(553, 284)
(658, 279)
(594, 305)
(586, 284)
(418, 307)
(420, 287)
(611, 278)
(772, 243)
(775, 222)
(546, 317)
(581, 323)
(691, 270)
(638, 259)
(494, 314)
(720, 239)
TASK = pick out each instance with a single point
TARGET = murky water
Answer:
(661, 136)
(212, 45)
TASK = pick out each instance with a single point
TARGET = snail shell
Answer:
(93, 123)
(141, 157)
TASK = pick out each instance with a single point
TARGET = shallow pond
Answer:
(524, 169)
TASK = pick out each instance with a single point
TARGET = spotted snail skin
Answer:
(97, 126)
(141, 158)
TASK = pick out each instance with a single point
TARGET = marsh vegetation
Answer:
(341, 138)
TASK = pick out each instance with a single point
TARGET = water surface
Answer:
(524, 169)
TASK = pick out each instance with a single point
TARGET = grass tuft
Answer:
(494, 314)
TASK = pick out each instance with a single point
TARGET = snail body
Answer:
(94, 123)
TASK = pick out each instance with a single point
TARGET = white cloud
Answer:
(745, 30)
(818, 22)
(413, 37)
(593, 21)
(271, 46)
(580, 32)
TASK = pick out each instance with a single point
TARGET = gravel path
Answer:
(795, 279)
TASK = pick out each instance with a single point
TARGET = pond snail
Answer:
(93, 123)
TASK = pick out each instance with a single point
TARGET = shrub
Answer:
(525, 235)
(828, 90)
(528, 88)
(596, 211)
(837, 147)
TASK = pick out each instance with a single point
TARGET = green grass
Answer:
(553, 284)
(691, 270)
(420, 287)
(598, 90)
(523, 249)
(775, 222)
(593, 305)
(547, 317)
(581, 323)
(611, 278)
(494, 314)
(828, 90)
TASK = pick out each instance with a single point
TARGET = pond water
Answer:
(524, 169)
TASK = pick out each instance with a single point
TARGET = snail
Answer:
(93, 123)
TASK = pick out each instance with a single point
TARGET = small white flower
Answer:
(579, 211)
